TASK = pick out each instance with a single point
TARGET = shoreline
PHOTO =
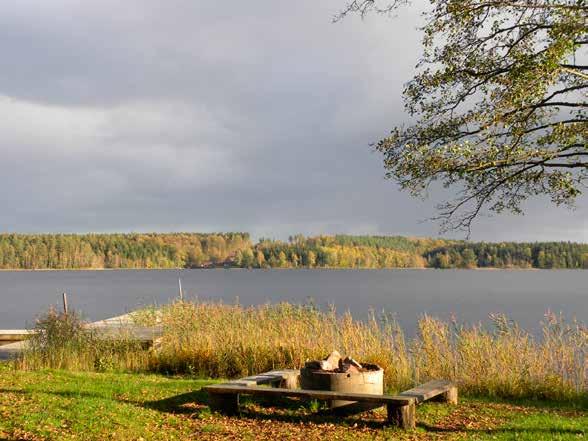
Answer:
(33, 270)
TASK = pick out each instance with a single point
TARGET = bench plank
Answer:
(260, 379)
(228, 388)
(432, 389)
(287, 378)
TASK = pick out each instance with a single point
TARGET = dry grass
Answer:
(219, 340)
(225, 341)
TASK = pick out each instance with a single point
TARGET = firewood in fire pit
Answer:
(346, 367)
(353, 362)
(336, 364)
(331, 362)
(314, 365)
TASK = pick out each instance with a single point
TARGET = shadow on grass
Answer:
(578, 404)
(177, 403)
(64, 393)
(12, 391)
(323, 417)
(281, 409)
(295, 411)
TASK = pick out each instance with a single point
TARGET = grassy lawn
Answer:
(60, 405)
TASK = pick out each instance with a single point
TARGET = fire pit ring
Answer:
(369, 381)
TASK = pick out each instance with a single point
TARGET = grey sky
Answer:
(256, 116)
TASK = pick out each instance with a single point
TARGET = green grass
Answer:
(62, 405)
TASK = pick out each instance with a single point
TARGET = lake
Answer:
(469, 295)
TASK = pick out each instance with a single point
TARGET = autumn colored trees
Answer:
(73, 251)
(193, 250)
(498, 105)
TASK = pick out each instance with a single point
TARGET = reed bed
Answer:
(210, 339)
(220, 340)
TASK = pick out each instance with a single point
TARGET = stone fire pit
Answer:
(338, 374)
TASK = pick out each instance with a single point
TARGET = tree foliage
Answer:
(499, 102)
(544, 255)
(73, 251)
(344, 252)
(195, 250)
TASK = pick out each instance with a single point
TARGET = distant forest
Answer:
(73, 251)
(194, 250)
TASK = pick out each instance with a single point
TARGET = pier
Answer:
(14, 341)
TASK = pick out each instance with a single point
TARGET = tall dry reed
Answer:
(220, 340)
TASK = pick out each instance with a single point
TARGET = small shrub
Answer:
(64, 341)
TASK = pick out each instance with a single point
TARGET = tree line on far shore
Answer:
(196, 250)
(344, 251)
(97, 251)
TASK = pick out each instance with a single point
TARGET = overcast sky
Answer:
(152, 115)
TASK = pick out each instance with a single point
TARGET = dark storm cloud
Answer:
(189, 115)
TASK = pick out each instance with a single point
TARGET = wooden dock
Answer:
(13, 335)
(14, 341)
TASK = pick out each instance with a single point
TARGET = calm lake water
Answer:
(469, 295)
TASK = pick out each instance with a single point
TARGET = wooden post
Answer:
(65, 303)
(290, 380)
(402, 416)
(180, 287)
(450, 396)
(226, 404)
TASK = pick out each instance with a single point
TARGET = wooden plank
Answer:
(114, 327)
(9, 335)
(244, 383)
(261, 379)
(429, 390)
(283, 373)
(125, 319)
(12, 350)
(286, 378)
(146, 334)
(304, 393)
(290, 378)
(142, 334)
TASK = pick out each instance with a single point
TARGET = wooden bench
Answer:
(438, 390)
(287, 378)
(224, 398)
